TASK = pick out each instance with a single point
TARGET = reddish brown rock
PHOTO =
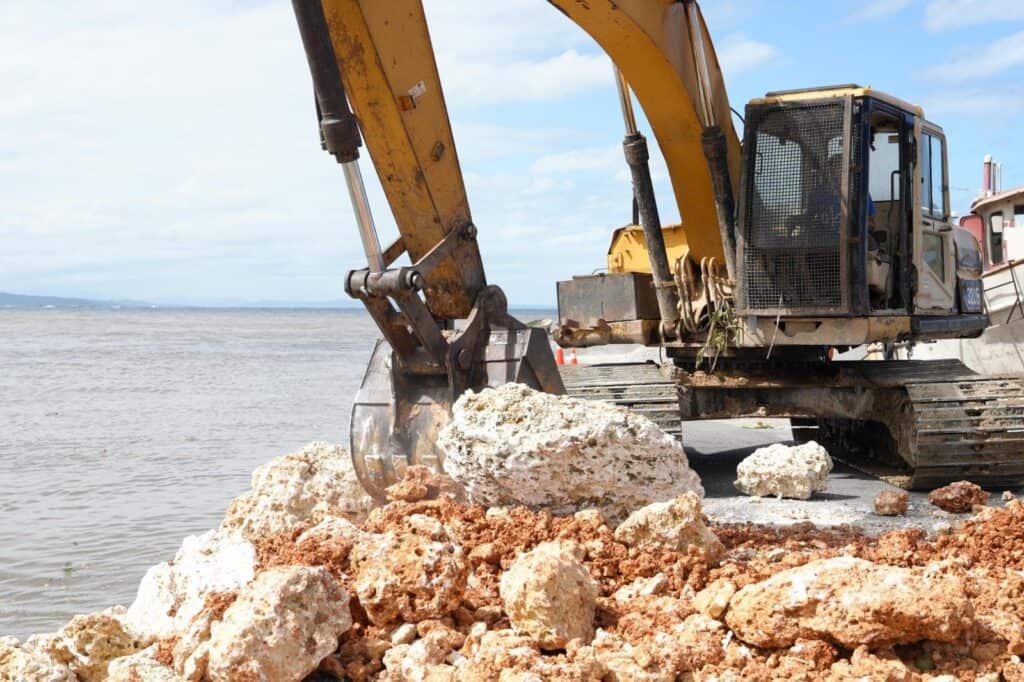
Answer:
(423, 483)
(891, 503)
(959, 497)
(851, 602)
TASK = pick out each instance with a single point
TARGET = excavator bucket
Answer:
(397, 415)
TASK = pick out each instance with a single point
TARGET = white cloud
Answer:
(476, 82)
(512, 51)
(585, 159)
(977, 104)
(996, 57)
(877, 9)
(941, 15)
(738, 54)
(174, 155)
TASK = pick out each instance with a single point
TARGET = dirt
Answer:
(986, 551)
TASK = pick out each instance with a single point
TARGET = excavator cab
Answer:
(844, 212)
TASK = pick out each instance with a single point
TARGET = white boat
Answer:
(997, 220)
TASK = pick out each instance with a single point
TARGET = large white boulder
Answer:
(172, 593)
(512, 445)
(793, 471)
(281, 626)
(301, 488)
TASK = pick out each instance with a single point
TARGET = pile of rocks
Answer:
(306, 580)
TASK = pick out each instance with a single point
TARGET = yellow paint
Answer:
(387, 63)
(628, 250)
(649, 42)
(855, 91)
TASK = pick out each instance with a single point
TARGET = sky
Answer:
(171, 155)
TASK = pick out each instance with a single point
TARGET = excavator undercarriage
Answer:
(916, 424)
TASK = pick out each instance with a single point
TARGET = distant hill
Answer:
(8, 300)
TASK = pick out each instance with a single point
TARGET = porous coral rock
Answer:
(424, 659)
(714, 599)
(20, 663)
(409, 575)
(851, 602)
(171, 594)
(793, 471)
(958, 497)
(301, 488)
(88, 643)
(891, 502)
(505, 656)
(141, 667)
(280, 627)
(512, 445)
(672, 525)
(626, 662)
(873, 666)
(330, 530)
(550, 596)
(641, 587)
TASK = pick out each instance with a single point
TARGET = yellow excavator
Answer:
(827, 229)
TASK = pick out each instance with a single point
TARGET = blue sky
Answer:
(173, 157)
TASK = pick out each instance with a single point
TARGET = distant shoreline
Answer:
(10, 301)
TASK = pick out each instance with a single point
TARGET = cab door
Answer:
(933, 233)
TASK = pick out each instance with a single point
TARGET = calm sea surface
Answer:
(122, 431)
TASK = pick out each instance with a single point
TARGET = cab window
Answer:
(931, 176)
(995, 238)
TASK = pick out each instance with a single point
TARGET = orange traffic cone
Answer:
(559, 357)
(573, 360)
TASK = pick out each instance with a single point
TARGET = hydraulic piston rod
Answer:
(635, 147)
(339, 130)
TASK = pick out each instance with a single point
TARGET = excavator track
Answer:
(642, 387)
(961, 425)
(916, 424)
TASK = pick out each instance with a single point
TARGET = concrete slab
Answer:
(716, 447)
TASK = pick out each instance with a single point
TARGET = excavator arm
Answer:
(377, 58)
(386, 61)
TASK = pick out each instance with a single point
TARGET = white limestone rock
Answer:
(793, 471)
(416, 574)
(672, 525)
(141, 667)
(550, 596)
(281, 626)
(26, 663)
(301, 488)
(172, 593)
(88, 643)
(512, 445)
